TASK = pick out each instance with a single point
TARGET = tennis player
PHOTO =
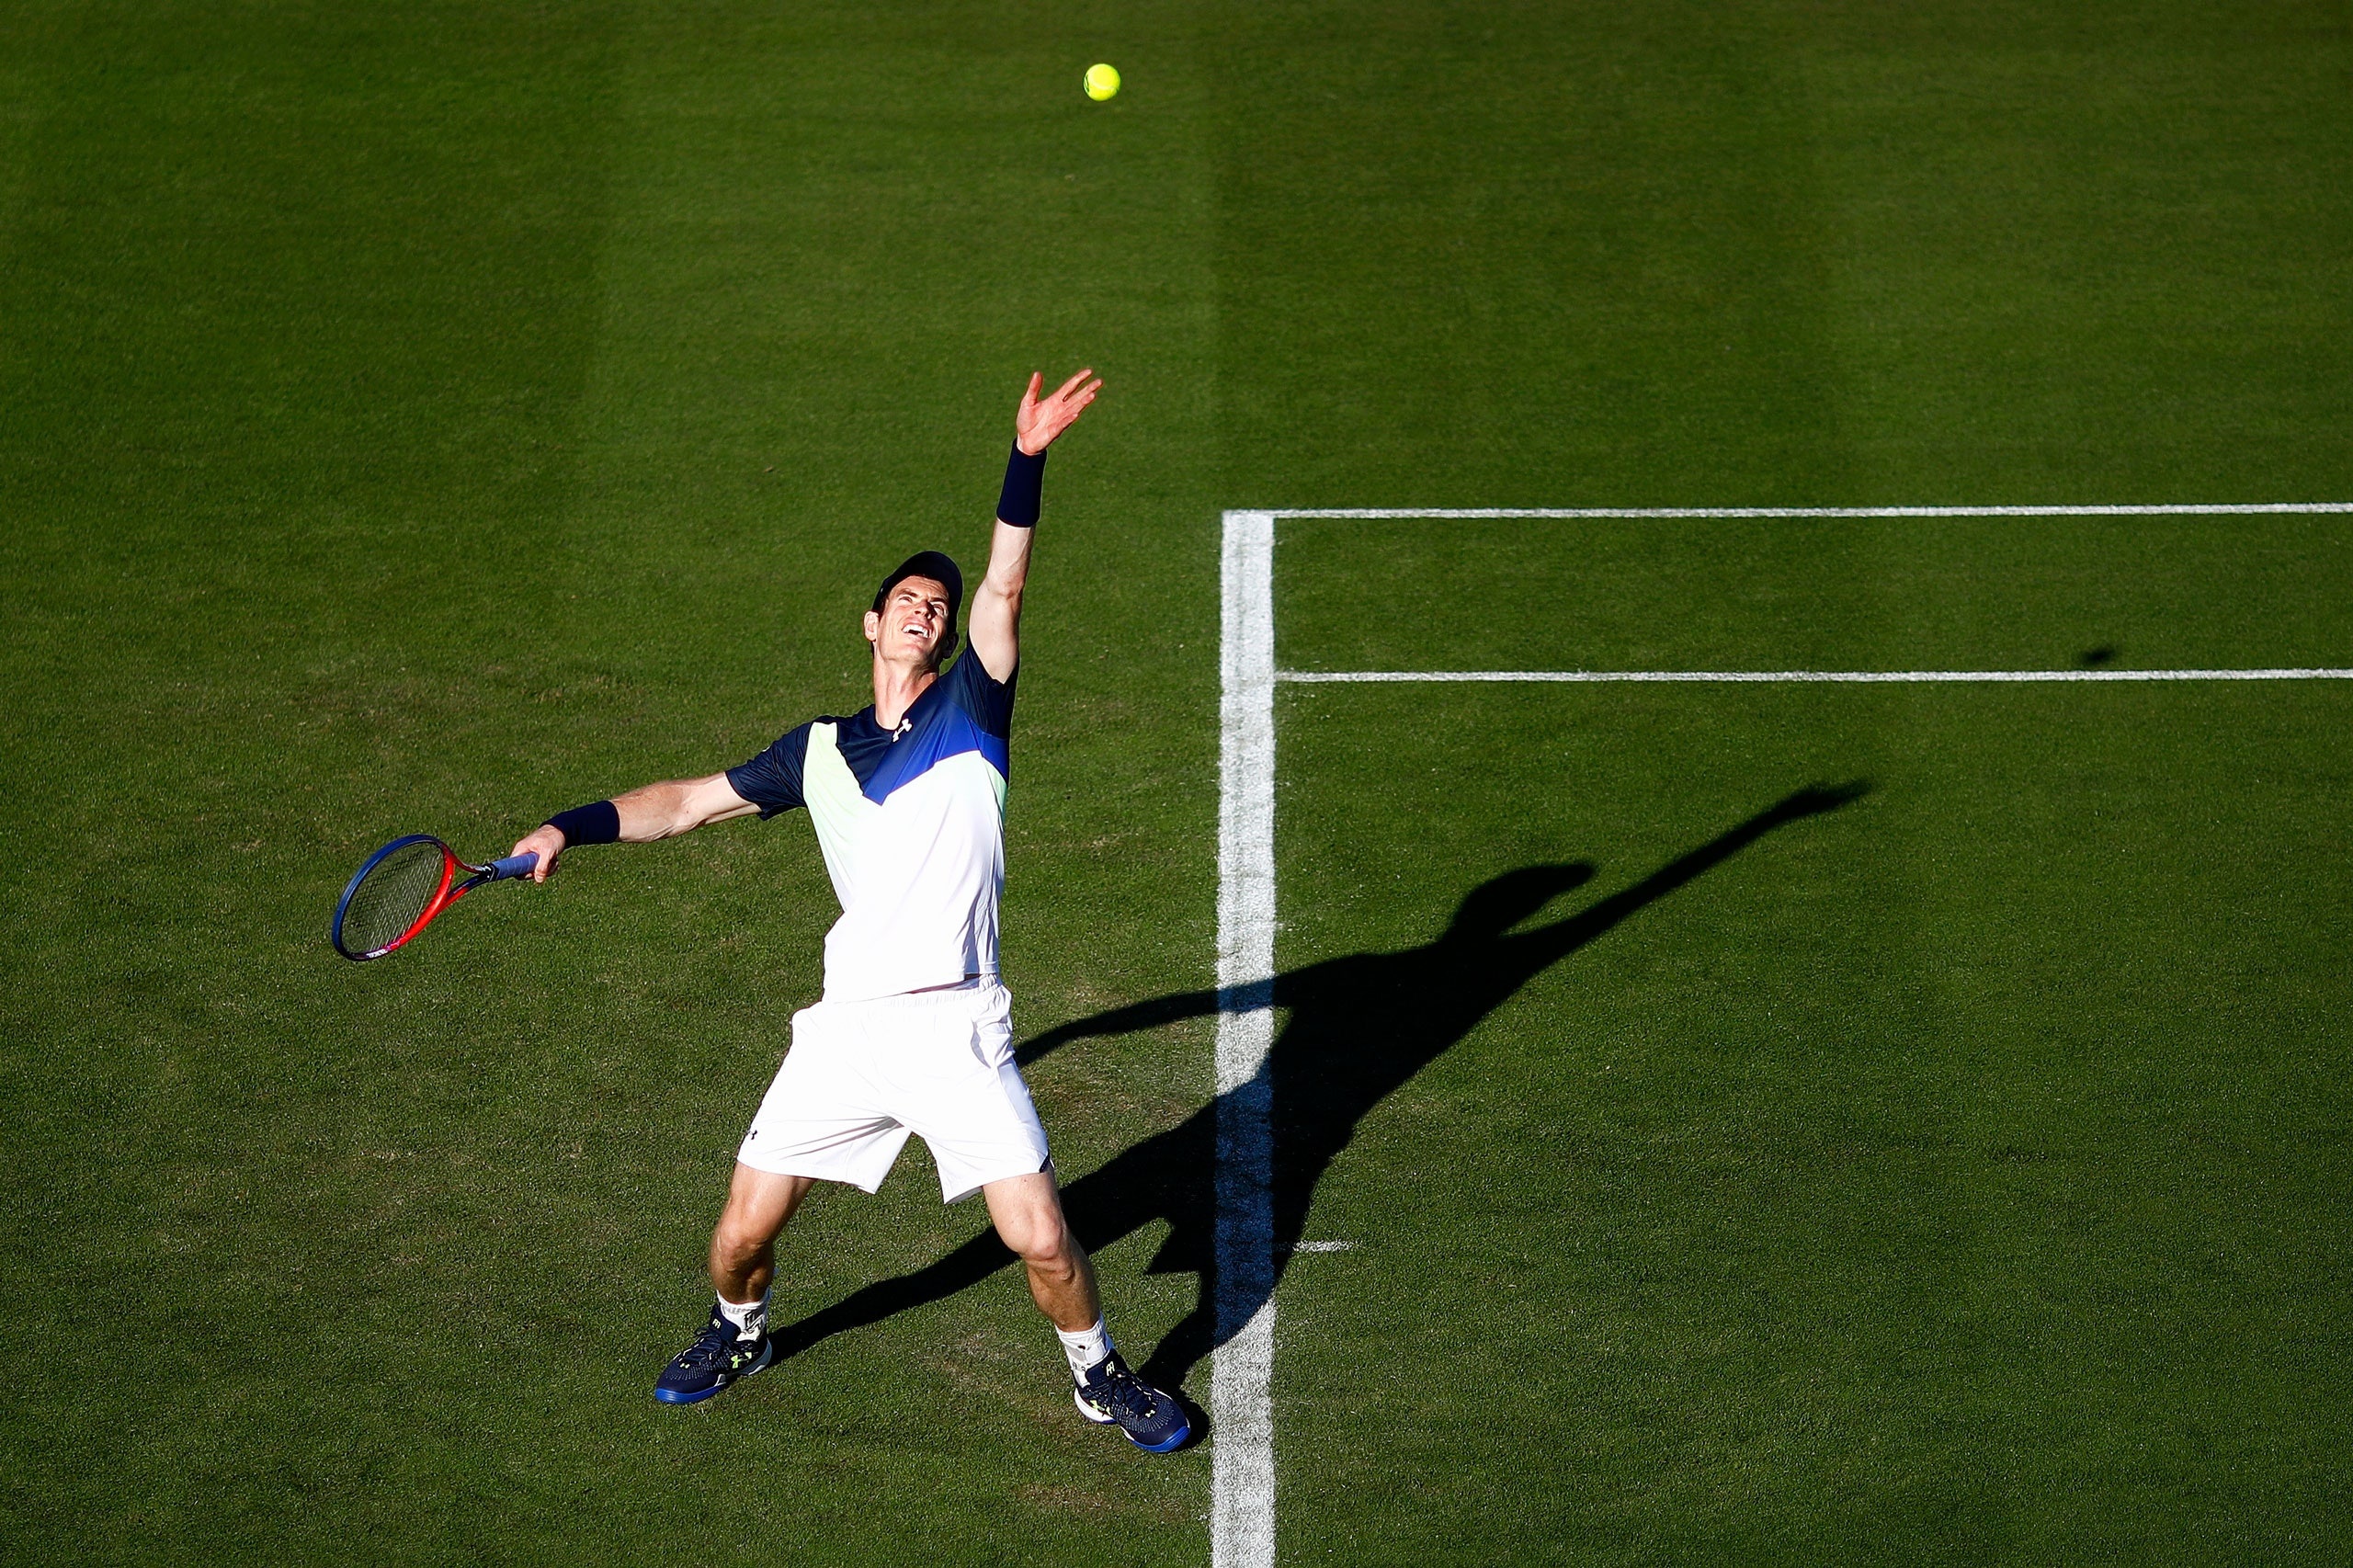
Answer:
(913, 1033)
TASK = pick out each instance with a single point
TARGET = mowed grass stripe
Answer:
(1815, 594)
(1940, 1169)
(2163, 509)
(1898, 678)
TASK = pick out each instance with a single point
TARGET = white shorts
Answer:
(861, 1075)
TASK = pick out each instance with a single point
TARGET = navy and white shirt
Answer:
(912, 824)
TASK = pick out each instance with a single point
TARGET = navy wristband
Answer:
(1025, 477)
(599, 824)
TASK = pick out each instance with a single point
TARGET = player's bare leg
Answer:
(1027, 1213)
(734, 1344)
(742, 1244)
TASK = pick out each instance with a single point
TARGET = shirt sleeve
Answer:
(772, 779)
(981, 696)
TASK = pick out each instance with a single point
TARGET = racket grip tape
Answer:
(514, 866)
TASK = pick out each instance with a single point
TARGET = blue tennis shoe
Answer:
(1111, 1395)
(715, 1362)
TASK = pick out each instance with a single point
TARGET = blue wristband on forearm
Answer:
(1025, 478)
(599, 824)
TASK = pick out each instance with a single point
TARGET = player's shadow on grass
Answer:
(1360, 1027)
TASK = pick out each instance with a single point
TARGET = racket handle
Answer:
(513, 865)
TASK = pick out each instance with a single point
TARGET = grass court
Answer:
(425, 418)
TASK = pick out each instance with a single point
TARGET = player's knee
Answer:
(1043, 1243)
(740, 1241)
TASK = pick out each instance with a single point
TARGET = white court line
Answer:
(1242, 1470)
(1317, 677)
(2224, 509)
(1242, 1487)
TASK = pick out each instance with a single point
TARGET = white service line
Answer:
(2223, 509)
(1241, 1427)
(1313, 677)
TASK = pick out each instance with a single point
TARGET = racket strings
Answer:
(389, 899)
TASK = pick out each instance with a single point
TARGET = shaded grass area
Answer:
(426, 419)
(431, 417)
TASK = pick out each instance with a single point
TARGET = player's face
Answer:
(912, 626)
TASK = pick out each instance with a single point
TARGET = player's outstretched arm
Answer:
(656, 811)
(996, 605)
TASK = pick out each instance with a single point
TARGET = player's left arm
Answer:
(996, 604)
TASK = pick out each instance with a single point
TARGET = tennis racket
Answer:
(402, 887)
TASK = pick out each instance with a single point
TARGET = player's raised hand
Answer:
(1036, 423)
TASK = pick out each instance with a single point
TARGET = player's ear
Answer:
(873, 626)
(946, 648)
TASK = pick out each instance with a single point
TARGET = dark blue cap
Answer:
(928, 563)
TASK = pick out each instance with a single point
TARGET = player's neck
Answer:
(896, 686)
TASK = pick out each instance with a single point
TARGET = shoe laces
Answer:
(1123, 1393)
(714, 1346)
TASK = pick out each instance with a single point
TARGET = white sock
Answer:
(1086, 1348)
(751, 1318)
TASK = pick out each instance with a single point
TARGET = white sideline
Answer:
(2224, 509)
(1313, 677)
(1242, 1428)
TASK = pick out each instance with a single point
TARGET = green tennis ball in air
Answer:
(1102, 81)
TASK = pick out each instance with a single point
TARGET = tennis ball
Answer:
(1102, 81)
